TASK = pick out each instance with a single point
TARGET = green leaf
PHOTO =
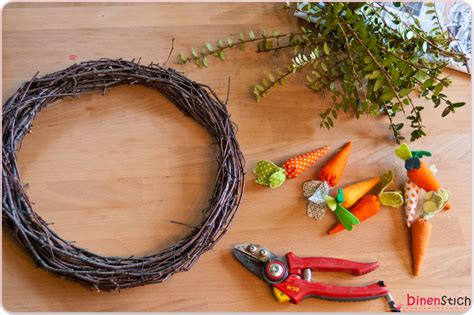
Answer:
(404, 92)
(329, 120)
(221, 55)
(446, 112)
(194, 53)
(326, 48)
(229, 41)
(251, 35)
(209, 47)
(425, 46)
(409, 35)
(204, 61)
(378, 83)
(372, 75)
(181, 58)
(241, 36)
(324, 67)
(260, 88)
(427, 84)
(459, 104)
(438, 88)
(388, 95)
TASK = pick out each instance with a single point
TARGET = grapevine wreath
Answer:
(57, 255)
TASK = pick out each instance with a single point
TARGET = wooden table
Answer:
(111, 172)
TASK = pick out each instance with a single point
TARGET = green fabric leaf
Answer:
(391, 199)
(420, 154)
(277, 179)
(340, 196)
(346, 218)
(403, 152)
(331, 202)
(269, 174)
(434, 202)
(387, 179)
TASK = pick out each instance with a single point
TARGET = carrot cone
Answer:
(424, 178)
(420, 235)
(366, 208)
(298, 164)
(332, 171)
(354, 192)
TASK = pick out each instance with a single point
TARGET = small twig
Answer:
(228, 92)
(171, 51)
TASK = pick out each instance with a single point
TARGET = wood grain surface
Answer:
(111, 172)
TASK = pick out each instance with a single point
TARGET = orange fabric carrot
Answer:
(420, 235)
(424, 178)
(354, 192)
(366, 208)
(417, 170)
(332, 171)
(298, 164)
(370, 205)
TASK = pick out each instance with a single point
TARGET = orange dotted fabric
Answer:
(298, 164)
(411, 201)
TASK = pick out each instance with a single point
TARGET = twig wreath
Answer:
(57, 255)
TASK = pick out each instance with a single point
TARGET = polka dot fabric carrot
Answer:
(273, 176)
(298, 164)
(412, 191)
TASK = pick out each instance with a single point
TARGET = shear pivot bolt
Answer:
(252, 248)
(276, 270)
(263, 253)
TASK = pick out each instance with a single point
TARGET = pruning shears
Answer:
(291, 276)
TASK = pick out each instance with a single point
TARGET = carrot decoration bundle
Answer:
(329, 176)
(417, 171)
(315, 191)
(421, 227)
(370, 205)
(271, 175)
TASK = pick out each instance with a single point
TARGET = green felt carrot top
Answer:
(344, 216)
(390, 198)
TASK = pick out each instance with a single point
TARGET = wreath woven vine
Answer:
(57, 255)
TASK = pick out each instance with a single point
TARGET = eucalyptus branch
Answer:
(207, 50)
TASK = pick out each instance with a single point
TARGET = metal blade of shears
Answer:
(253, 257)
(252, 264)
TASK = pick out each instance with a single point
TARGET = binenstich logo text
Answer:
(444, 302)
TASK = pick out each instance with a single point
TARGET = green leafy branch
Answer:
(265, 43)
(364, 56)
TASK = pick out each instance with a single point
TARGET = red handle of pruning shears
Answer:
(325, 264)
(297, 289)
